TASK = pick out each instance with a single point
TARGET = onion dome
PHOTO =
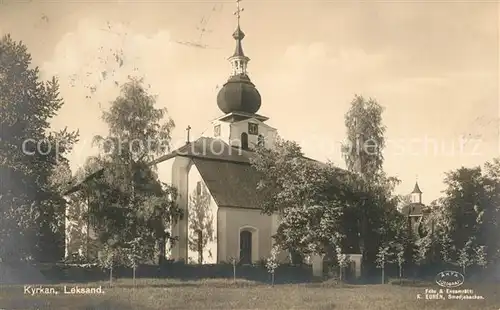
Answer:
(239, 93)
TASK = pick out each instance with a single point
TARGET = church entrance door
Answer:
(245, 247)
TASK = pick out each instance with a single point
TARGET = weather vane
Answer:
(238, 10)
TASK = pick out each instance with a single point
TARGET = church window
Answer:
(217, 131)
(244, 140)
(198, 188)
(260, 140)
(253, 129)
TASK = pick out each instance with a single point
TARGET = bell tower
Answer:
(416, 194)
(239, 100)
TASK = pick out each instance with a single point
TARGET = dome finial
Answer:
(238, 61)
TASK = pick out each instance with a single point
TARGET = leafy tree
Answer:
(383, 257)
(365, 133)
(200, 221)
(480, 256)
(464, 193)
(109, 257)
(272, 263)
(79, 226)
(447, 248)
(363, 153)
(234, 262)
(465, 256)
(31, 206)
(343, 261)
(466, 217)
(308, 196)
(490, 217)
(399, 250)
(134, 255)
(128, 200)
(436, 239)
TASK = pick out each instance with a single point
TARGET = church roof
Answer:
(209, 148)
(416, 189)
(231, 184)
(226, 171)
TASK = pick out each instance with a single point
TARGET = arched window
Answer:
(244, 140)
(260, 140)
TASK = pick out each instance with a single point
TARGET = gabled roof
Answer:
(203, 148)
(231, 184)
(209, 148)
(226, 171)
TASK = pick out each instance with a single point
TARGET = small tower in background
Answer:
(416, 194)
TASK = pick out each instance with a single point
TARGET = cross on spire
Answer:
(238, 11)
(188, 129)
(238, 61)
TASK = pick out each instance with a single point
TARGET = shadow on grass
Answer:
(72, 303)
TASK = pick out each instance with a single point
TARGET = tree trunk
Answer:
(200, 247)
(383, 275)
(161, 254)
(400, 274)
(272, 278)
(340, 274)
(133, 274)
(111, 276)
(234, 272)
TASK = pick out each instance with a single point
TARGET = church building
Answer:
(415, 210)
(218, 167)
(216, 184)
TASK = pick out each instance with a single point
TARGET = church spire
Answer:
(238, 61)
(239, 94)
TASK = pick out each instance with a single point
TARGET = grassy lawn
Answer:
(223, 294)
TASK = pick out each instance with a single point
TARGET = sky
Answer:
(433, 65)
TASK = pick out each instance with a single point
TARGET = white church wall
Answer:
(210, 250)
(224, 131)
(80, 237)
(164, 170)
(180, 173)
(232, 221)
(266, 131)
(231, 132)
(75, 231)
